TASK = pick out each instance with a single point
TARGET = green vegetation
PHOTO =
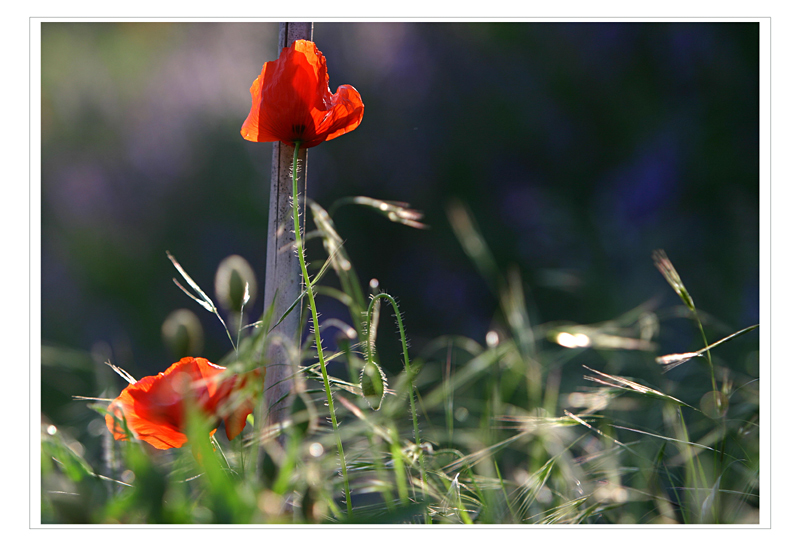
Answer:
(496, 431)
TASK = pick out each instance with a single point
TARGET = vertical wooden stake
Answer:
(283, 278)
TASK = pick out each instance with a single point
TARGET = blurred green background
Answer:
(578, 147)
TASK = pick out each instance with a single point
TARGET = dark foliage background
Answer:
(579, 148)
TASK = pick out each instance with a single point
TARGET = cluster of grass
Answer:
(513, 429)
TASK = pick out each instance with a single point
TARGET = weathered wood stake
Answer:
(283, 279)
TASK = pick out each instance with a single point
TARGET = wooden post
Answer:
(283, 278)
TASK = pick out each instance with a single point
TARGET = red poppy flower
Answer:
(292, 101)
(154, 408)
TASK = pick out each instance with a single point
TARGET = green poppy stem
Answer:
(410, 377)
(315, 322)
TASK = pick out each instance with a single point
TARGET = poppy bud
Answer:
(714, 404)
(373, 385)
(182, 333)
(233, 274)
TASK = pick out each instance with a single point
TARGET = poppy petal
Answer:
(153, 409)
(291, 101)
